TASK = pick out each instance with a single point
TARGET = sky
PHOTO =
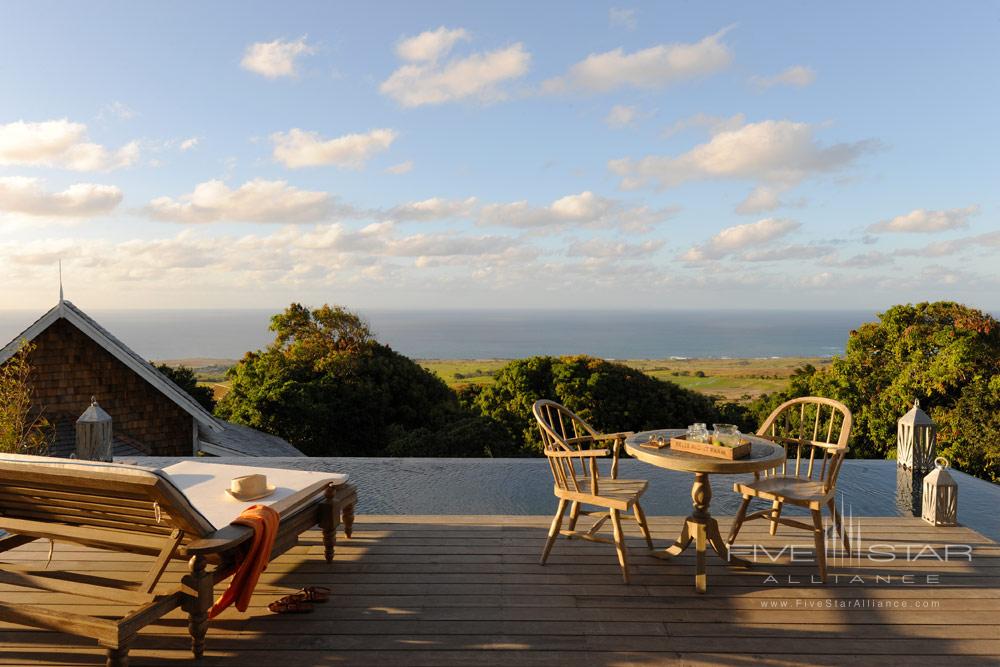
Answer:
(499, 155)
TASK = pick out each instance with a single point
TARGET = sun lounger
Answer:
(180, 512)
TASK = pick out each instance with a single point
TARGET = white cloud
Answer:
(62, 144)
(24, 196)
(772, 151)
(786, 253)
(652, 68)
(435, 208)
(189, 143)
(430, 45)
(605, 249)
(761, 199)
(585, 208)
(427, 79)
(922, 221)
(867, 260)
(954, 246)
(254, 201)
(621, 116)
(275, 59)
(118, 110)
(797, 76)
(715, 124)
(622, 18)
(298, 148)
(400, 168)
(737, 238)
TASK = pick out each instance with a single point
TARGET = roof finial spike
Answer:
(60, 283)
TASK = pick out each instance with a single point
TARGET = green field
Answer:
(730, 378)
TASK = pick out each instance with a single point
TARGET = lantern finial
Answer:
(916, 403)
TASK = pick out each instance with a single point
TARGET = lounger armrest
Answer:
(221, 540)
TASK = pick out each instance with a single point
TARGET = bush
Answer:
(611, 397)
(185, 378)
(943, 353)
(329, 388)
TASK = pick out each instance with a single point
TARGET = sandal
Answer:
(290, 604)
(313, 594)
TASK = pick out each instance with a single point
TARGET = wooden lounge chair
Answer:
(567, 439)
(819, 429)
(138, 510)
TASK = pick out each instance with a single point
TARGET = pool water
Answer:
(524, 486)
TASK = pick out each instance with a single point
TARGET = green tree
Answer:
(185, 378)
(943, 353)
(328, 387)
(611, 397)
(23, 428)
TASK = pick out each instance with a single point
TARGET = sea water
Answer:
(496, 334)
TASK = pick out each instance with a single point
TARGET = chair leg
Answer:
(616, 523)
(838, 524)
(640, 518)
(574, 514)
(738, 521)
(775, 515)
(553, 530)
(819, 539)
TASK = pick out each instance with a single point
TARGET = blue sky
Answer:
(474, 155)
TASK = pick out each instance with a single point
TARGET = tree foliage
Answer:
(185, 378)
(611, 397)
(329, 388)
(945, 354)
(23, 428)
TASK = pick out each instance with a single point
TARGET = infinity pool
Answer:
(524, 486)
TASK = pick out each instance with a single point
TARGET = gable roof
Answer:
(240, 440)
(65, 310)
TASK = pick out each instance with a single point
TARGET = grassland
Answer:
(731, 378)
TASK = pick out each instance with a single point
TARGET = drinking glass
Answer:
(697, 432)
(727, 434)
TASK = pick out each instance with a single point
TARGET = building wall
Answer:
(68, 368)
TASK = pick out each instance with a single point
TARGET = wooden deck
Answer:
(446, 590)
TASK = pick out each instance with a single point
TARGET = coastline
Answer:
(733, 378)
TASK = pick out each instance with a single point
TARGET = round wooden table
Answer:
(701, 526)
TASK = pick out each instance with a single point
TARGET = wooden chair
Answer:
(136, 510)
(568, 441)
(818, 428)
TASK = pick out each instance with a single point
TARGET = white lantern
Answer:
(940, 506)
(916, 439)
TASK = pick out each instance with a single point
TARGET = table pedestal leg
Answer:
(704, 530)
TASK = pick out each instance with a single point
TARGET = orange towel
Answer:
(264, 522)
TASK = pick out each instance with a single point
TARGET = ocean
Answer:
(497, 334)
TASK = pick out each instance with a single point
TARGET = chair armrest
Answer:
(221, 540)
(614, 436)
(585, 453)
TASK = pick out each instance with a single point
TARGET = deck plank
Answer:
(459, 590)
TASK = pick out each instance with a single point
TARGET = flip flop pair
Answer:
(300, 602)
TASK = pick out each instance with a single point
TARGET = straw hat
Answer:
(249, 487)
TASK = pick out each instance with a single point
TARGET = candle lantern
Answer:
(916, 440)
(93, 434)
(940, 503)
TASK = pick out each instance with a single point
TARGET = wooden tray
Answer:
(740, 451)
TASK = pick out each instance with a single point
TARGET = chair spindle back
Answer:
(818, 428)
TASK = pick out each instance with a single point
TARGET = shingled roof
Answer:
(215, 436)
